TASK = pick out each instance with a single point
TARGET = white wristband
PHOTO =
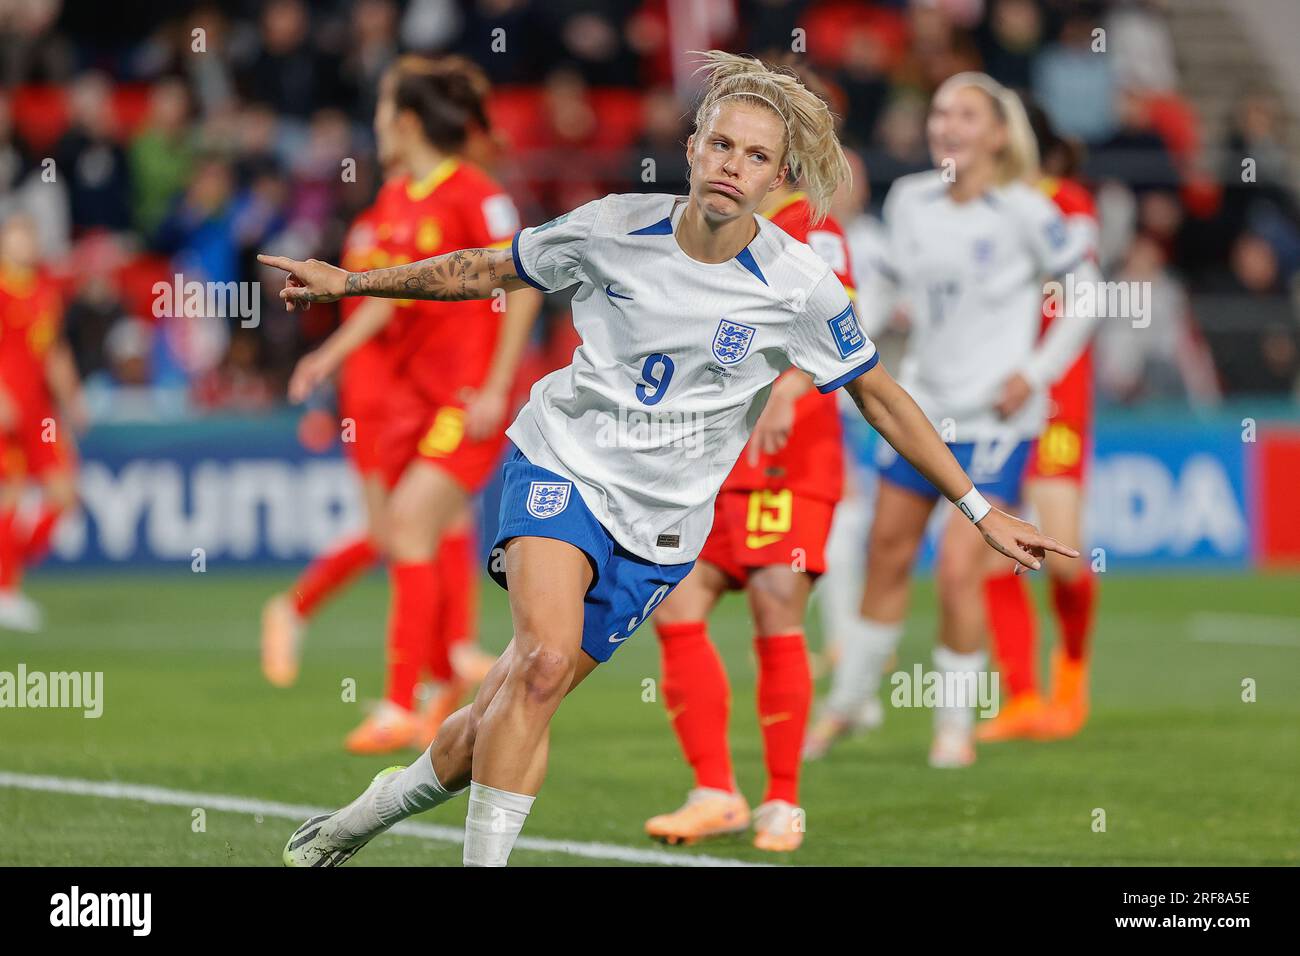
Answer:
(973, 505)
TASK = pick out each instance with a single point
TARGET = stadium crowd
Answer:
(243, 125)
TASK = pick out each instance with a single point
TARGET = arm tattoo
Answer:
(465, 274)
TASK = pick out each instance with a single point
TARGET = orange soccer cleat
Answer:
(1018, 720)
(1067, 710)
(470, 664)
(444, 702)
(387, 728)
(706, 813)
(778, 826)
(281, 641)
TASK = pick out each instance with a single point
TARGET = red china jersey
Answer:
(31, 314)
(440, 348)
(812, 461)
(1071, 396)
(365, 380)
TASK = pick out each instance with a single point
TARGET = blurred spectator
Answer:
(1134, 154)
(199, 231)
(1250, 322)
(1139, 44)
(1076, 85)
(507, 38)
(161, 155)
(90, 162)
(1010, 39)
(902, 147)
(288, 72)
(1163, 360)
(663, 143)
(863, 78)
(567, 131)
(371, 49)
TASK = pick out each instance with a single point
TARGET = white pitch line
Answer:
(143, 793)
(1257, 629)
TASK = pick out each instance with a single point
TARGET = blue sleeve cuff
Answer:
(849, 376)
(519, 264)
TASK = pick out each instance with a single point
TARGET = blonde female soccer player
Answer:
(688, 308)
(972, 242)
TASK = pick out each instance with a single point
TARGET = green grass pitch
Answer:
(1185, 770)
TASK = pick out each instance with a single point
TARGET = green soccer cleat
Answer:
(314, 843)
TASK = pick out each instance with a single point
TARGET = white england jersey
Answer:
(676, 362)
(972, 275)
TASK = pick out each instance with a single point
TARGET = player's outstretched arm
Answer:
(456, 276)
(892, 412)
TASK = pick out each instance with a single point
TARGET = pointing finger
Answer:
(278, 262)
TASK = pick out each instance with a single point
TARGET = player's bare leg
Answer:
(423, 504)
(869, 643)
(442, 772)
(547, 581)
(1059, 505)
(469, 662)
(964, 562)
(17, 611)
(284, 624)
(778, 599)
(698, 700)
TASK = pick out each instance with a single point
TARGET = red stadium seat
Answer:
(40, 114)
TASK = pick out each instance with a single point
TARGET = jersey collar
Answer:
(415, 191)
(665, 227)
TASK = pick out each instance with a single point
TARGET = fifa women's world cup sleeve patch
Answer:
(549, 257)
(1056, 247)
(826, 340)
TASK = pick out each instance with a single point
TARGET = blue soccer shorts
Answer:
(625, 588)
(997, 468)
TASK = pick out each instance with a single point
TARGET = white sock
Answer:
(966, 669)
(395, 797)
(493, 823)
(865, 647)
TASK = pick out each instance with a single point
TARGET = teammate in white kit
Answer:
(971, 243)
(688, 309)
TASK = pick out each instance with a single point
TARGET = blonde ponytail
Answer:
(1018, 160)
(811, 148)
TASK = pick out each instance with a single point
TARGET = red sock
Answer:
(457, 602)
(698, 699)
(785, 692)
(1015, 634)
(331, 571)
(10, 553)
(37, 544)
(1074, 602)
(411, 619)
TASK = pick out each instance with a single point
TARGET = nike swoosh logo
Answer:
(615, 639)
(756, 541)
(615, 295)
(772, 719)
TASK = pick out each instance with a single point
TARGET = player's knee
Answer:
(958, 578)
(544, 674)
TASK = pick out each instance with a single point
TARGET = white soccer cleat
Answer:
(871, 716)
(18, 612)
(953, 747)
(318, 843)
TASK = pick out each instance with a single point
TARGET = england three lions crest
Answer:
(731, 342)
(546, 499)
